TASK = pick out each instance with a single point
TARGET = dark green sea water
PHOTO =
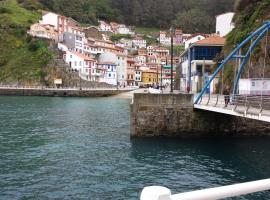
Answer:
(79, 148)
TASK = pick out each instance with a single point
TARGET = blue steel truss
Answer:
(255, 37)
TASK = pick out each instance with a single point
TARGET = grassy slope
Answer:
(147, 31)
(21, 57)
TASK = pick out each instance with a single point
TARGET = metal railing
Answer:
(162, 193)
(247, 104)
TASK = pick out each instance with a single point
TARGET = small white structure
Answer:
(123, 29)
(164, 39)
(254, 87)
(103, 26)
(224, 24)
(193, 40)
(50, 19)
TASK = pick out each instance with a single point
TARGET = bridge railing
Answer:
(162, 193)
(241, 103)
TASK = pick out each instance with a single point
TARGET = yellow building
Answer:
(149, 77)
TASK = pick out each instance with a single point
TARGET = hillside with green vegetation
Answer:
(22, 58)
(250, 14)
(192, 15)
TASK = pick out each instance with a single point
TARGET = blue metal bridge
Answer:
(249, 106)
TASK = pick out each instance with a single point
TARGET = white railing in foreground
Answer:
(162, 193)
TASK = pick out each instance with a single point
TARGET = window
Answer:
(110, 75)
(80, 63)
(75, 63)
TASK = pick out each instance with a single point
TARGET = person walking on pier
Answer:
(226, 95)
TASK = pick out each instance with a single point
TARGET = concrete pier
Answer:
(173, 115)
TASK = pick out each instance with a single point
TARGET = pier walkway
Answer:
(252, 107)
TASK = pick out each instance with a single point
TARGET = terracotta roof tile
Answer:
(212, 40)
(82, 56)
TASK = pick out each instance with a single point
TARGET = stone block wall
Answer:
(172, 115)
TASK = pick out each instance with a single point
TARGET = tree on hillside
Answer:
(194, 20)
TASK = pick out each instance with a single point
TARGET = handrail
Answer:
(162, 193)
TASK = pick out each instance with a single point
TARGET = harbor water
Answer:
(80, 148)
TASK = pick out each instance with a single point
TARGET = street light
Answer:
(172, 30)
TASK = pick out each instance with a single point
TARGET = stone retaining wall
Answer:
(59, 93)
(172, 115)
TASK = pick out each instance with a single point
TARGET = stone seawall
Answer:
(172, 115)
(59, 93)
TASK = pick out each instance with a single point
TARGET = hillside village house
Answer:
(161, 51)
(130, 72)
(80, 63)
(196, 60)
(165, 38)
(60, 23)
(123, 29)
(138, 42)
(138, 75)
(224, 24)
(150, 50)
(121, 68)
(43, 31)
(74, 39)
(141, 59)
(149, 77)
(103, 26)
(166, 74)
(108, 62)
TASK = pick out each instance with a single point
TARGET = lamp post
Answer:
(172, 30)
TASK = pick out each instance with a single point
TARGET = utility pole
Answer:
(172, 30)
(161, 76)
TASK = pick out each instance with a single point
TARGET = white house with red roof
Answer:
(80, 63)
